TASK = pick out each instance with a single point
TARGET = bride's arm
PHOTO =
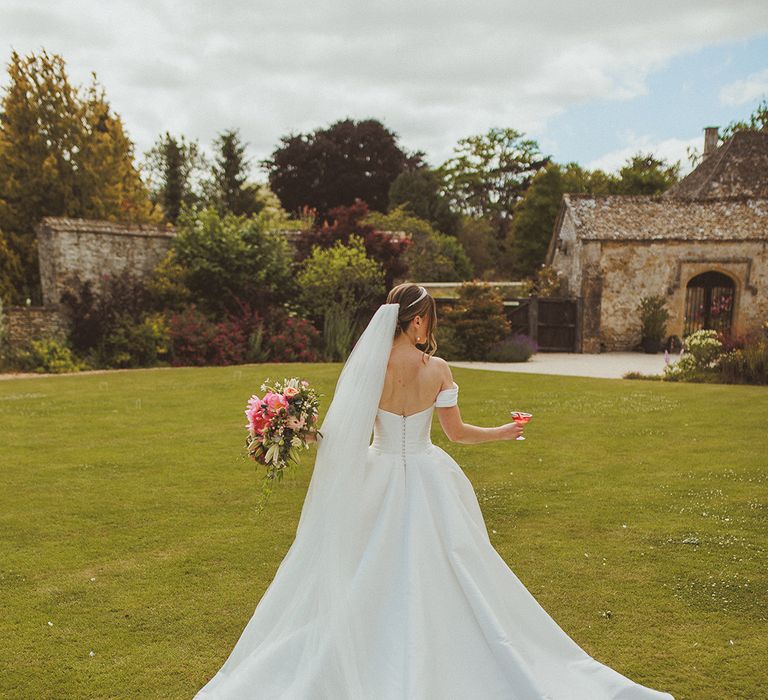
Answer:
(456, 430)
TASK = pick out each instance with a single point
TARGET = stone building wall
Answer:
(616, 274)
(83, 249)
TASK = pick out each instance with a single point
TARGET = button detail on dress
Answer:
(404, 443)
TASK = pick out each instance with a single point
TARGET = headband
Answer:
(420, 297)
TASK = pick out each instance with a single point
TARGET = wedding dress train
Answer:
(431, 612)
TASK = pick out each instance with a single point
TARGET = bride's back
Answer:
(412, 381)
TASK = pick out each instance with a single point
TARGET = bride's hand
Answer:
(510, 431)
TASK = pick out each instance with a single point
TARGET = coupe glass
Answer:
(522, 418)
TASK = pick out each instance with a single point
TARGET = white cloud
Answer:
(671, 150)
(433, 71)
(751, 88)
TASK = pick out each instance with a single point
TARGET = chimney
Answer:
(710, 140)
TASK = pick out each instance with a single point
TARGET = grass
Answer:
(636, 513)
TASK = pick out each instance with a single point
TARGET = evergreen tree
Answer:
(173, 168)
(228, 189)
(62, 153)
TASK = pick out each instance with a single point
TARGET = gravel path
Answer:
(609, 365)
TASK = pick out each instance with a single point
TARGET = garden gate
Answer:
(553, 322)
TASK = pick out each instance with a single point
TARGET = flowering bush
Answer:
(191, 333)
(747, 365)
(515, 348)
(293, 340)
(701, 350)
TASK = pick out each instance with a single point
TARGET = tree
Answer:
(228, 188)
(63, 152)
(757, 121)
(418, 191)
(489, 174)
(334, 166)
(174, 167)
(432, 255)
(535, 214)
(645, 174)
(348, 221)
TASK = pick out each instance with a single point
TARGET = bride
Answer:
(391, 589)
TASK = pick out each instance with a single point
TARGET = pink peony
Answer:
(275, 402)
(289, 392)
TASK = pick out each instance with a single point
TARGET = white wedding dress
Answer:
(428, 609)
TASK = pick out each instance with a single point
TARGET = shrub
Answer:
(514, 348)
(340, 277)
(432, 255)
(748, 365)
(653, 317)
(230, 258)
(449, 347)
(295, 340)
(640, 375)
(3, 336)
(48, 355)
(547, 282)
(697, 363)
(478, 319)
(191, 333)
(338, 333)
(106, 321)
(704, 346)
(349, 221)
(137, 344)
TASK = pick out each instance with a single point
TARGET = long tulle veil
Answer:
(304, 605)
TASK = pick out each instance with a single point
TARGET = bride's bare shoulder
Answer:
(443, 370)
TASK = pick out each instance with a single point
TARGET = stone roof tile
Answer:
(638, 217)
(738, 168)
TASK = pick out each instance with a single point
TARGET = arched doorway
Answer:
(709, 299)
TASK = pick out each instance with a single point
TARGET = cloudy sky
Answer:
(592, 81)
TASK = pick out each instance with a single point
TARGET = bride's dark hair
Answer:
(406, 294)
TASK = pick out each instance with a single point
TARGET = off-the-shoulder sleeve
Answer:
(448, 397)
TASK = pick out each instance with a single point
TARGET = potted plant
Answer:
(654, 317)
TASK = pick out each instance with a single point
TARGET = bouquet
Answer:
(281, 423)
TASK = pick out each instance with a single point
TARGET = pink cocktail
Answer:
(521, 418)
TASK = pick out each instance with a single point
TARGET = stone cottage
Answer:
(703, 245)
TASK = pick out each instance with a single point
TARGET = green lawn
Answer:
(636, 512)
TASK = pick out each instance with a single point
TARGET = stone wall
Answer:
(25, 323)
(629, 270)
(84, 249)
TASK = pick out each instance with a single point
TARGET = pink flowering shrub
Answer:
(293, 340)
